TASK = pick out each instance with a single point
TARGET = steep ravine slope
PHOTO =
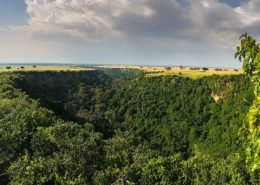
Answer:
(164, 130)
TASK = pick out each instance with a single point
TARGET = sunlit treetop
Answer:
(249, 53)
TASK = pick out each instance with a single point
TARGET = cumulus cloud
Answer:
(142, 27)
(168, 19)
(79, 18)
(204, 20)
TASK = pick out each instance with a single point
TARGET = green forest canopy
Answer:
(99, 130)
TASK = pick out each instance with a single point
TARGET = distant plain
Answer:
(190, 72)
(41, 68)
(150, 71)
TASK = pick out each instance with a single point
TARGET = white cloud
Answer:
(75, 18)
(89, 19)
(221, 24)
(207, 20)
(249, 13)
(198, 25)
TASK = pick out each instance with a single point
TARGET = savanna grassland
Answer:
(191, 72)
(41, 68)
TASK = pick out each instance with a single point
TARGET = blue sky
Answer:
(148, 32)
(234, 3)
(12, 12)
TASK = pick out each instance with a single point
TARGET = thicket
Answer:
(93, 128)
(249, 53)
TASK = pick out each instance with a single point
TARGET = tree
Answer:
(65, 153)
(8, 67)
(249, 53)
(160, 130)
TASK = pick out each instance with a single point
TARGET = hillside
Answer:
(119, 127)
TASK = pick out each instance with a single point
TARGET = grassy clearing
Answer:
(42, 68)
(185, 72)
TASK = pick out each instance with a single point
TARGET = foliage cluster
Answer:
(249, 53)
(91, 128)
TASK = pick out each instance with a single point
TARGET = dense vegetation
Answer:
(249, 53)
(118, 127)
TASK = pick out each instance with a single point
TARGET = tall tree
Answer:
(249, 53)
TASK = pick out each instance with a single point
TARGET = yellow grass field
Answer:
(43, 68)
(186, 72)
(151, 71)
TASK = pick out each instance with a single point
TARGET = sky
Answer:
(142, 32)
